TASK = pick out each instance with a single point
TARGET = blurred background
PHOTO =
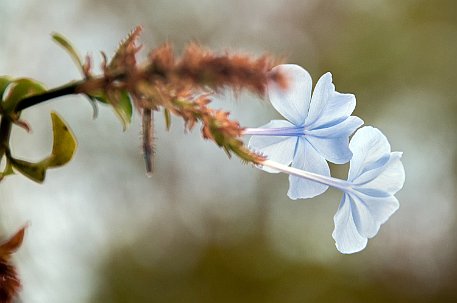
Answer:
(208, 229)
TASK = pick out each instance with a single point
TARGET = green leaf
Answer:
(63, 149)
(8, 170)
(122, 105)
(34, 171)
(63, 42)
(167, 115)
(100, 97)
(64, 144)
(93, 103)
(4, 82)
(20, 89)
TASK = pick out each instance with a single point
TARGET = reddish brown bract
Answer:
(9, 281)
(203, 69)
(182, 85)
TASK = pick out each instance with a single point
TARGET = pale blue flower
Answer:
(375, 175)
(317, 128)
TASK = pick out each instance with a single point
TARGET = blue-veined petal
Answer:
(322, 92)
(347, 237)
(288, 130)
(328, 107)
(308, 159)
(277, 148)
(370, 150)
(333, 142)
(376, 175)
(293, 102)
(389, 178)
(337, 108)
(335, 150)
(369, 212)
(344, 128)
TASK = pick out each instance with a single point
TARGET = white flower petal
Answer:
(347, 238)
(389, 178)
(335, 150)
(277, 148)
(369, 212)
(370, 150)
(376, 175)
(308, 159)
(327, 106)
(293, 102)
(278, 124)
(333, 142)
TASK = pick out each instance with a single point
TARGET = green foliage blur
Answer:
(249, 272)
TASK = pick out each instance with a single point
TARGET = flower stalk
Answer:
(67, 89)
(275, 131)
(342, 185)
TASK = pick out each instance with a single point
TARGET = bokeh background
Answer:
(208, 229)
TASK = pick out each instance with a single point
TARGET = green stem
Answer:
(76, 87)
(67, 89)
(5, 132)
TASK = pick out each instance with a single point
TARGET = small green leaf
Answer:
(63, 149)
(100, 97)
(20, 89)
(34, 171)
(167, 116)
(122, 105)
(8, 170)
(93, 103)
(64, 144)
(63, 42)
(4, 82)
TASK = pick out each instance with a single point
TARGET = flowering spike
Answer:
(202, 69)
(216, 126)
(162, 60)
